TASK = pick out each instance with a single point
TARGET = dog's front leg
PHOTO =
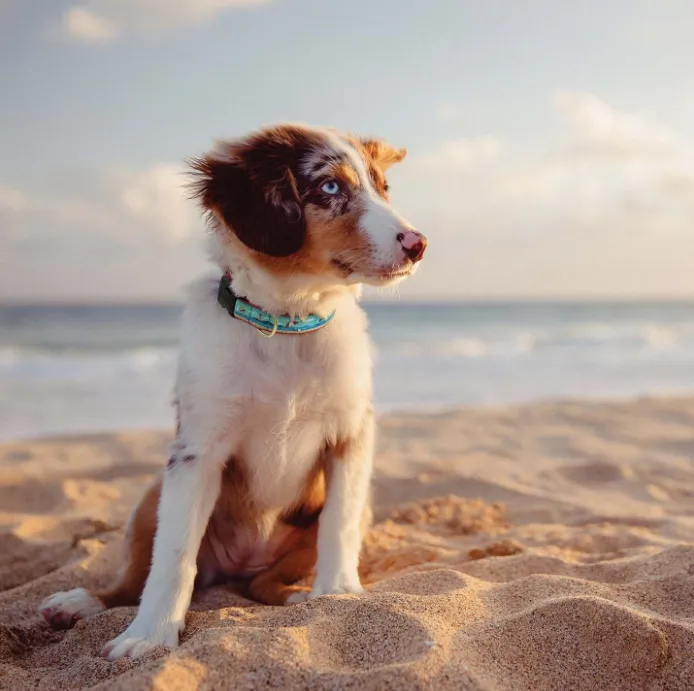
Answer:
(189, 492)
(340, 536)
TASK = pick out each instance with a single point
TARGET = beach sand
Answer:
(540, 547)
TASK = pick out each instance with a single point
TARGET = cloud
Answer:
(599, 130)
(155, 197)
(12, 201)
(81, 23)
(114, 207)
(103, 21)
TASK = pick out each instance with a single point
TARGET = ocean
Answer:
(74, 369)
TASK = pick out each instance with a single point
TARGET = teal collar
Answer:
(268, 324)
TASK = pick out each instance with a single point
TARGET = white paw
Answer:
(63, 610)
(338, 587)
(137, 640)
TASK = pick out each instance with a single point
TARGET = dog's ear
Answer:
(383, 154)
(250, 186)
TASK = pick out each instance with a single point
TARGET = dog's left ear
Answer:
(384, 155)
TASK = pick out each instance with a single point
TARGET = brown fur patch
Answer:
(127, 590)
(344, 173)
(308, 506)
(378, 180)
(234, 504)
(276, 584)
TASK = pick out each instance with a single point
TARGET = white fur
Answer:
(382, 224)
(62, 608)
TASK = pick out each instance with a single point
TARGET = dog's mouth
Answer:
(379, 276)
(400, 272)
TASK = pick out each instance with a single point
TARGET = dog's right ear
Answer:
(383, 154)
(251, 188)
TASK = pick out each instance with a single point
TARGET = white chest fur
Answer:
(274, 401)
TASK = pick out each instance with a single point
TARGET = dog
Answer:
(269, 475)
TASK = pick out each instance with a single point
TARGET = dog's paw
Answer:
(64, 610)
(319, 589)
(137, 641)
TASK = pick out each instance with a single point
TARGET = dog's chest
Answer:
(281, 446)
(299, 405)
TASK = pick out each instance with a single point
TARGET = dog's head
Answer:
(309, 201)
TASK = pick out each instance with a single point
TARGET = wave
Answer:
(625, 336)
(630, 340)
(36, 364)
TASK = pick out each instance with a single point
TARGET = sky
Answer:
(550, 144)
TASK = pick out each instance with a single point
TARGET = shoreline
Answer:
(382, 413)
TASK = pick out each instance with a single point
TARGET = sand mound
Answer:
(546, 547)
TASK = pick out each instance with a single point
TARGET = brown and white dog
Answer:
(269, 474)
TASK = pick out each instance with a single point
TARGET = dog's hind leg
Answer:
(63, 610)
(277, 583)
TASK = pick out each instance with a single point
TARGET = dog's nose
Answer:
(413, 244)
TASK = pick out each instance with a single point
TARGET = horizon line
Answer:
(435, 300)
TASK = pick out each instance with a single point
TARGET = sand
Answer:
(541, 547)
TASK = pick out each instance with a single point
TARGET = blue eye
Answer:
(330, 187)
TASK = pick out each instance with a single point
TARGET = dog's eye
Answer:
(330, 187)
(386, 186)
